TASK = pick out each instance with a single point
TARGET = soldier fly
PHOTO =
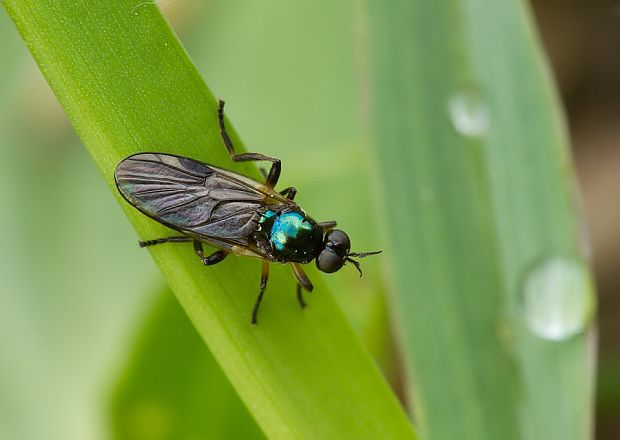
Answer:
(233, 213)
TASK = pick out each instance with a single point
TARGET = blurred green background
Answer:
(68, 334)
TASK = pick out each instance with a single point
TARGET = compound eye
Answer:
(338, 241)
(329, 262)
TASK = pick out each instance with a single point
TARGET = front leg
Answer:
(274, 172)
(302, 281)
(301, 276)
(327, 225)
(300, 298)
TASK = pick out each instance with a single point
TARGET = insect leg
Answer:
(274, 172)
(163, 240)
(263, 285)
(289, 192)
(210, 260)
(300, 298)
(327, 225)
(301, 277)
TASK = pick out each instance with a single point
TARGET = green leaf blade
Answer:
(477, 187)
(128, 86)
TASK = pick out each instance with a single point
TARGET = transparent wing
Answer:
(192, 197)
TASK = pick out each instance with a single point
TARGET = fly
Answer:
(238, 215)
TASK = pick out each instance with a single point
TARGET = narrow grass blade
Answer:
(128, 86)
(493, 298)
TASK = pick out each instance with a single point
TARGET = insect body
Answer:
(232, 213)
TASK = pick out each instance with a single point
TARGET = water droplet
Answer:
(468, 114)
(558, 298)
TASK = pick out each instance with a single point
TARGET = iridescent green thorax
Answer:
(293, 236)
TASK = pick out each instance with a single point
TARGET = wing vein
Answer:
(172, 207)
(198, 176)
(224, 218)
(168, 191)
(145, 180)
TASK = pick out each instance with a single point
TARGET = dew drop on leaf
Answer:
(468, 113)
(557, 298)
